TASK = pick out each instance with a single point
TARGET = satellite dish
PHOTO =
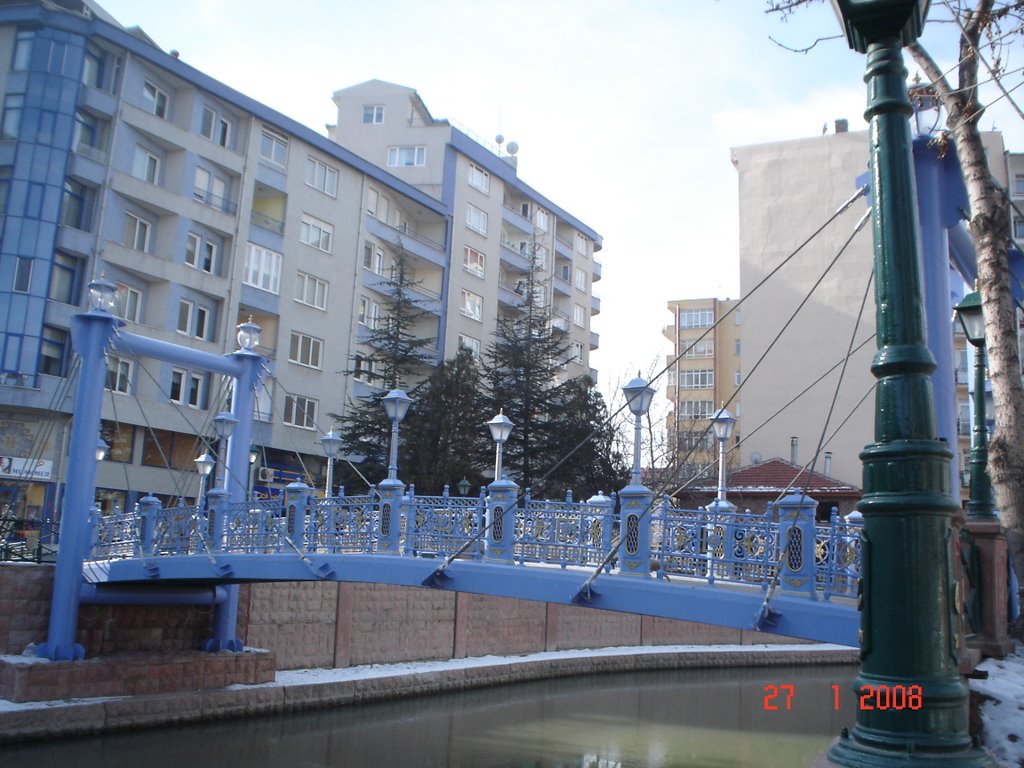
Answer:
(499, 139)
(755, 458)
(513, 147)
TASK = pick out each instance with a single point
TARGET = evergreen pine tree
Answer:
(399, 357)
(522, 367)
(444, 438)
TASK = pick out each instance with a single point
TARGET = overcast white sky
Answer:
(624, 112)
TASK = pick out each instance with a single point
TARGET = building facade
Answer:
(501, 227)
(703, 374)
(206, 208)
(787, 190)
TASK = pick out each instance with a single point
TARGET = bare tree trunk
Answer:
(990, 232)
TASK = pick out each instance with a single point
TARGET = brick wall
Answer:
(317, 624)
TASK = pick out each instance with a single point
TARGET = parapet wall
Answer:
(330, 624)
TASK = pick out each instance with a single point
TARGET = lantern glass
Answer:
(396, 404)
(331, 443)
(102, 295)
(101, 449)
(204, 464)
(972, 318)
(248, 335)
(639, 395)
(723, 422)
(224, 425)
(501, 427)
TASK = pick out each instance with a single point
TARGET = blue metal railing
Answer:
(782, 548)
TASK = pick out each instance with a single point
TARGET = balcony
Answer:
(595, 273)
(408, 239)
(516, 219)
(216, 202)
(560, 321)
(267, 222)
(426, 299)
(513, 257)
(510, 295)
(595, 305)
(563, 248)
(593, 341)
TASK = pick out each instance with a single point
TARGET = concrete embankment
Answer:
(312, 688)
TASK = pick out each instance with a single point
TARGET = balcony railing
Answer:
(266, 222)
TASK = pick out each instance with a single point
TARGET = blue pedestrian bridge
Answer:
(779, 572)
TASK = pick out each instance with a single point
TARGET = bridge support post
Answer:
(605, 505)
(501, 521)
(796, 533)
(389, 520)
(216, 514)
(90, 334)
(149, 508)
(635, 514)
(908, 635)
(296, 506)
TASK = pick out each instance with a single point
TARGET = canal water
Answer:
(766, 717)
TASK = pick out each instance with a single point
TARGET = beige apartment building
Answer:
(703, 374)
(498, 223)
(787, 190)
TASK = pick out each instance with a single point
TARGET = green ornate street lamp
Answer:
(972, 319)
(908, 635)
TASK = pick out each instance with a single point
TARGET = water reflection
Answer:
(693, 718)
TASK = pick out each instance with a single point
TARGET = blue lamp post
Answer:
(224, 424)
(501, 497)
(396, 404)
(639, 396)
(723, 423)
(501, 428)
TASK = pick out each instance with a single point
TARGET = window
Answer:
(407, 156)
(177, 389)
(10, 124)
(305, 350)
(119, 374)
(468, 342)
(369, 313)
(273, 147)
(311, 291)
(739, 378)
(92, 67)
(5, 187)
(300, 411)
(76, 206)
(373, 257)
(127, 303)
(154, 100)
(196, 389)
(696, 318)
(580, 279)
(1018, 184)
(542, 220)
(201, 253)
(163, 448)
(737, 347)
(321, 176)
(696, 440)
(216, 127)
(136, 232)
(53, 351)
(540, 256)
(579, 315)
(577, 352)
(472, 305)
(90, 136)
(696, 409)
(262, 268)
(22, 49)
(64, 278)
(1018, 228)
(373, 114)
(185, 308)
(362, 368)
(582, 244)
(702, 348)
(316, 233)
(146, 166)
(22, 275)
(479, 178)
(473, 262)
(193, 320)
(476, 219)
(702, 379)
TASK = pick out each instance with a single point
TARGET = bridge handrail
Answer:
(564, 532)
(442, 525)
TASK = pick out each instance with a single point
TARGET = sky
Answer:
(625, 112)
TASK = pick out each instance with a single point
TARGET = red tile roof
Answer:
(774, 475)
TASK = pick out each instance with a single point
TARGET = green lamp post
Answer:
(908, 635)
(972, 319)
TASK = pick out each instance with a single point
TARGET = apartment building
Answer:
(787, 190)
(499, 223)
(703, 374)
(206, 208)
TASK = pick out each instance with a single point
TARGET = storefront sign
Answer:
(25, 469)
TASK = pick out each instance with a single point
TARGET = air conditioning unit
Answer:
(265, 474)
